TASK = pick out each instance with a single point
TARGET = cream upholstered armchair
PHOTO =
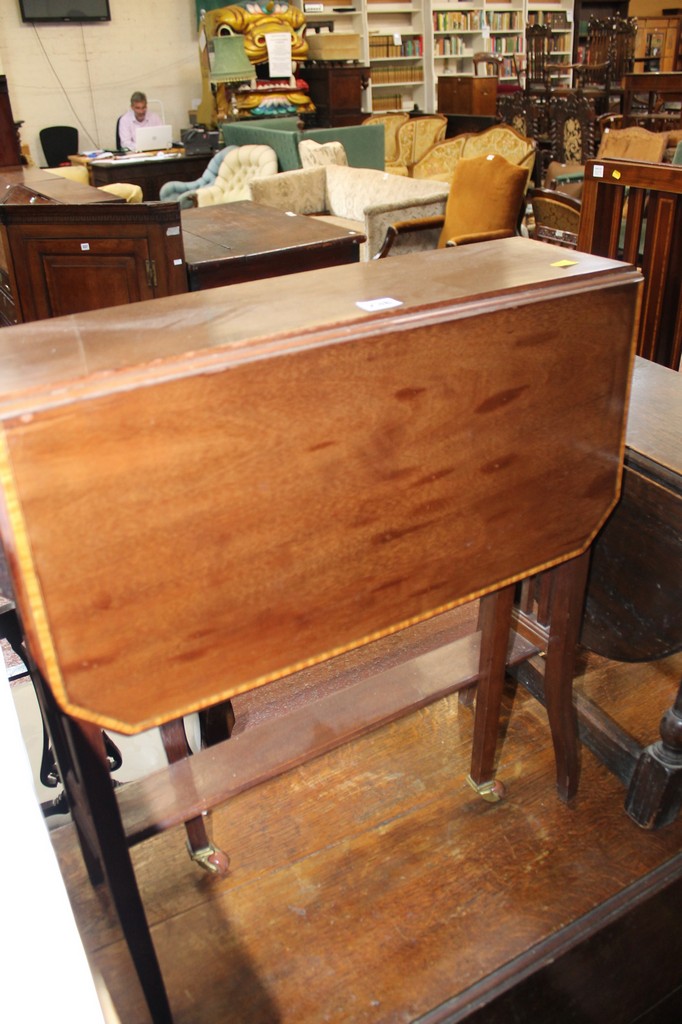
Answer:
(239, 167)
(356, 198)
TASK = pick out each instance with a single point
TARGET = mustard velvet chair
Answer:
(486, 201)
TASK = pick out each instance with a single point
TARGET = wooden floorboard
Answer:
(373, 886)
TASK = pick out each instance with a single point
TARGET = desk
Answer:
(150, 173)
(655, 83)
(51, 186)
(244, 241)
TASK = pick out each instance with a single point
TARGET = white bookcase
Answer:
(409, 45)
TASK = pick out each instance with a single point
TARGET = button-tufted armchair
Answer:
(240, 166)
(173, 191)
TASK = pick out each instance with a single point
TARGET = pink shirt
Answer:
(128, 125)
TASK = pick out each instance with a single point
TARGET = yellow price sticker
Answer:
(564, 263)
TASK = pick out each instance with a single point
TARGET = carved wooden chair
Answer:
(572, 141)
(631, 210)
(610, 53)
(503, 67)
(556, 217)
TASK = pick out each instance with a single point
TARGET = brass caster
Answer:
(492, 791)
(211, 859)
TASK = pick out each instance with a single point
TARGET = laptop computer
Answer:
(159, 136)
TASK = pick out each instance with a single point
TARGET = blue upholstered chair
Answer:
(175, 191)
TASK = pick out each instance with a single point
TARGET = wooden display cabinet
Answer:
(336, 91)
(465, 94)
(657, 44)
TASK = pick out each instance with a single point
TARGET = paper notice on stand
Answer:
(279, 54)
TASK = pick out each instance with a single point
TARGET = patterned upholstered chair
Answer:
(179, 190)
(391, 122)
(440, 162)
(556, 217)
(572, 142)
(239, 167)
(415, 139)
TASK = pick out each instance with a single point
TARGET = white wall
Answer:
(83, 75)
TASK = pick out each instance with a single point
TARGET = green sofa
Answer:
(363, 143)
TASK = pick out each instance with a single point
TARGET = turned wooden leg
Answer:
(495, 624)
(200, 847)
(654, 796)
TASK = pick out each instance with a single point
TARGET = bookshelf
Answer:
(410, 45)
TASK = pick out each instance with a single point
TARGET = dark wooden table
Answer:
(633, 609)
(655, 83)
(150, 173)
(51, 186)
(243, 241)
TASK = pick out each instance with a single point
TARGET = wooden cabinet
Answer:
(10, 148)
(68, 259)
(657, 44)
(463, 94)
(337, 93)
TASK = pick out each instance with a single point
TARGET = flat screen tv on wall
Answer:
(64, 10)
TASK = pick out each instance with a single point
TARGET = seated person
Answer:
(137, 117)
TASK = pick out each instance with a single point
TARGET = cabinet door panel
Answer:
(109, 273)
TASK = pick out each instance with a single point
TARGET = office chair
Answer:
(58, 142)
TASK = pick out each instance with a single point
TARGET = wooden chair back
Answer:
(539, 45)
(556, 217)
(633, 143)
(572, 129)
(632, 210)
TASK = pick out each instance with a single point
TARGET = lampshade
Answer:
(230, 63)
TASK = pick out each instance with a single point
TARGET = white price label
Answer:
(373, 305)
